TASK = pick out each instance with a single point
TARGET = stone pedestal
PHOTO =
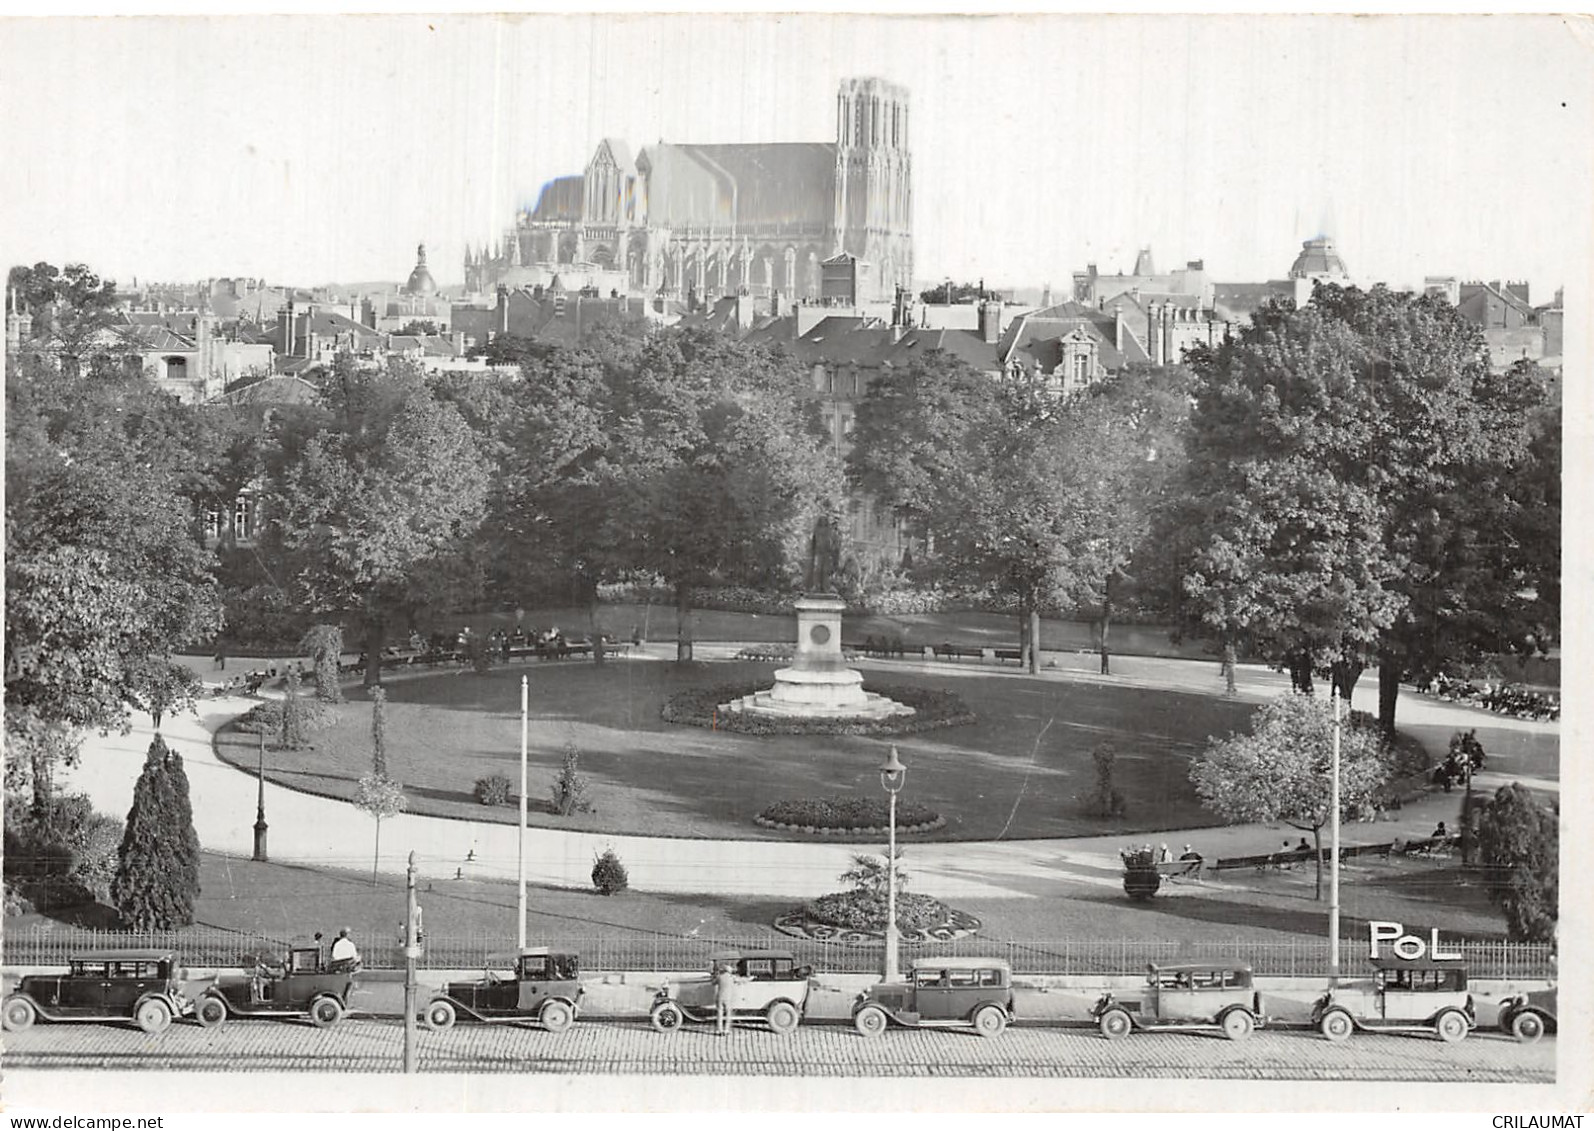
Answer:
(819, 684)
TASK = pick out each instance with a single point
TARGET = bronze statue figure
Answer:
(823, 549)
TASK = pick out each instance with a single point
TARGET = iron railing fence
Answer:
(51, 945)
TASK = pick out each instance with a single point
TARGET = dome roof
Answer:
(1318, 257)
(421, 281)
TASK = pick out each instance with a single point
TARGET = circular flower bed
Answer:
(932, 710)
(916, 927)
(851, 815)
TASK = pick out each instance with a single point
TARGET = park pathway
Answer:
(317, 831)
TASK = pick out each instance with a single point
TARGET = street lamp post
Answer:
(892, 773)
(1333, 855)
(260, 804)
(520, 852)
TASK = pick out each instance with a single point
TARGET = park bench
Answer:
(1380, 850)
(1263, 861)
(957, 651)
(1014, 654)
(1179, 869)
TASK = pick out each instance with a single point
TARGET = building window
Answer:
(1081, 373)
(241, 525)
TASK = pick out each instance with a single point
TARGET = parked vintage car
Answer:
(144, 986)
(307, 984)
(940, 993)
(770, 987)
(541, 985)
(1402, 996)
(1187, 997)
(1527, 1017)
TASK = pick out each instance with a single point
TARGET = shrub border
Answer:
(850, 830)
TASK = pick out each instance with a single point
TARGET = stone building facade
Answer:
(699, 221)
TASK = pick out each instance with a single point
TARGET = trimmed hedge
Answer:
(861, 911)
(849, 815)
(267, 717)
(699, 707)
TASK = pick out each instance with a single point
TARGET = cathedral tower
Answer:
(874, 193)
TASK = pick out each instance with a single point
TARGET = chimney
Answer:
(288, 334)
(503, 309)
(202, 339)
(990, 321)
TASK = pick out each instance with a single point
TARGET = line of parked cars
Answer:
(543, 986)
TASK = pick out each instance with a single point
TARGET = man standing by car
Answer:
(344, 950)
(724, 985)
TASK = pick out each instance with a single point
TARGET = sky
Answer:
(311, 149)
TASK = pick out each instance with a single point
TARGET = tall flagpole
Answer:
(1333, 859)
(520, 919)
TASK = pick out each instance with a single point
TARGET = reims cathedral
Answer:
(726, 219)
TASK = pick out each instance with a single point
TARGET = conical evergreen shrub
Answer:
(157, 873)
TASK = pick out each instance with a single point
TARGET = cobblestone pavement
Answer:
(632, 1047)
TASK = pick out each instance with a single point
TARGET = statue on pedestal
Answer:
(823, 554)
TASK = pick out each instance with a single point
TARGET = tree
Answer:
(1281, 770)
(1519, 846)
(1330, 449)
(324, 645)
(716, 467)
(987, 478)
(157, 874)
(291, 733)
(371, 515)
(1130, 430)
(950, 292)
(570, 787)
(103, 575)
(72, 308)
(379, 731)
(162, 687)
(379, 797)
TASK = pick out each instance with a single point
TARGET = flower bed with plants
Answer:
(851, 815)
(865, 911)
(932, 710)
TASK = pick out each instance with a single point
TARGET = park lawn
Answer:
(291, 902)
(1023, 770)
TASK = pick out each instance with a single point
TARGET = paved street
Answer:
(632, 1047)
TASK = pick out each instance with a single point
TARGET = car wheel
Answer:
(557, 1017)
(870, 1021)
(1115, 1024)
(1237, 1024)
(439, 1016)
(1451, 1026)
(783, 1017)
(211, 1012)
(666, 1017)
(1336, 1025)
(326, 1012)
(1527, 1027)
(152, 1016)
(19, 1015)
(989, 1021)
